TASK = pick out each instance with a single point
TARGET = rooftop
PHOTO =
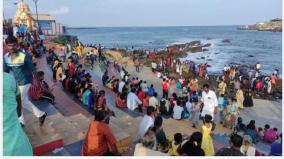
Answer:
(43, 17)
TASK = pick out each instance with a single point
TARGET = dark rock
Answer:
(209, 60)
(195, 43)
(207, 45)
(226, 41)
(195, 49)
(203, 57)
(204, 50)
(250, 56)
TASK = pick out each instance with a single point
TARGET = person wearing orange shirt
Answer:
(100, 140)
(165, 86)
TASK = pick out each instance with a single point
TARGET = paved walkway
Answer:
(263, 112)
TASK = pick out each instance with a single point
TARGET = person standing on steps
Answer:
(100, 53)
(210, 102)
(165, 86)
(21, 65)
(137, 64)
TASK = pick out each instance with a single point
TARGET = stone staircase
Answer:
(69, 129)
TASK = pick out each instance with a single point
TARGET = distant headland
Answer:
(274, 25)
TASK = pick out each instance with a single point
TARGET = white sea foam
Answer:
(214, 56)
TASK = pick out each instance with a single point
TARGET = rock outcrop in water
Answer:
(193, 47)
(207, 45)
(174, 51)
(226, 41)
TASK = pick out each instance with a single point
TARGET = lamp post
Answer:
(35, 1)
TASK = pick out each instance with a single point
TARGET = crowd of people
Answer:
(180, 99)
(187, 101)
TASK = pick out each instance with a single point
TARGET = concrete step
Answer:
(62, 152)
(129, 126)
(81, 124)
(41, 135)
(122, 137)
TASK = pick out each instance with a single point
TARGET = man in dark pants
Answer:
(137, 63)
(165, 86)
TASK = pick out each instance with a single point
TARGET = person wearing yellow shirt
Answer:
(222, 87)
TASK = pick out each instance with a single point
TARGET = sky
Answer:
(113, 13)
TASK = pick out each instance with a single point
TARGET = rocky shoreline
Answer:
(125, 58)
(274, 25)
(177, 51)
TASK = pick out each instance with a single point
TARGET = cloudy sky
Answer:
(80, 13)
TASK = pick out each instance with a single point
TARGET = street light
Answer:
(35, 1)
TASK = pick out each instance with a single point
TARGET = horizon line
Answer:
(79, 27)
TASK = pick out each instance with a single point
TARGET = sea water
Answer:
(265, 47)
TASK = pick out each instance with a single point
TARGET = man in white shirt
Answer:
(147, 121)
(120, 86)
(209, 100)
(122, 73)
(276, 72)
(153, 101)
(225, 68)
(178, 111)
(188, 106)
(257, 66)
(154, 66)
(132, 100)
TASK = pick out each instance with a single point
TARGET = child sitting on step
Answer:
(175, 144)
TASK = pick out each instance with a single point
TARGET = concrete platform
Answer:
(125, 125)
